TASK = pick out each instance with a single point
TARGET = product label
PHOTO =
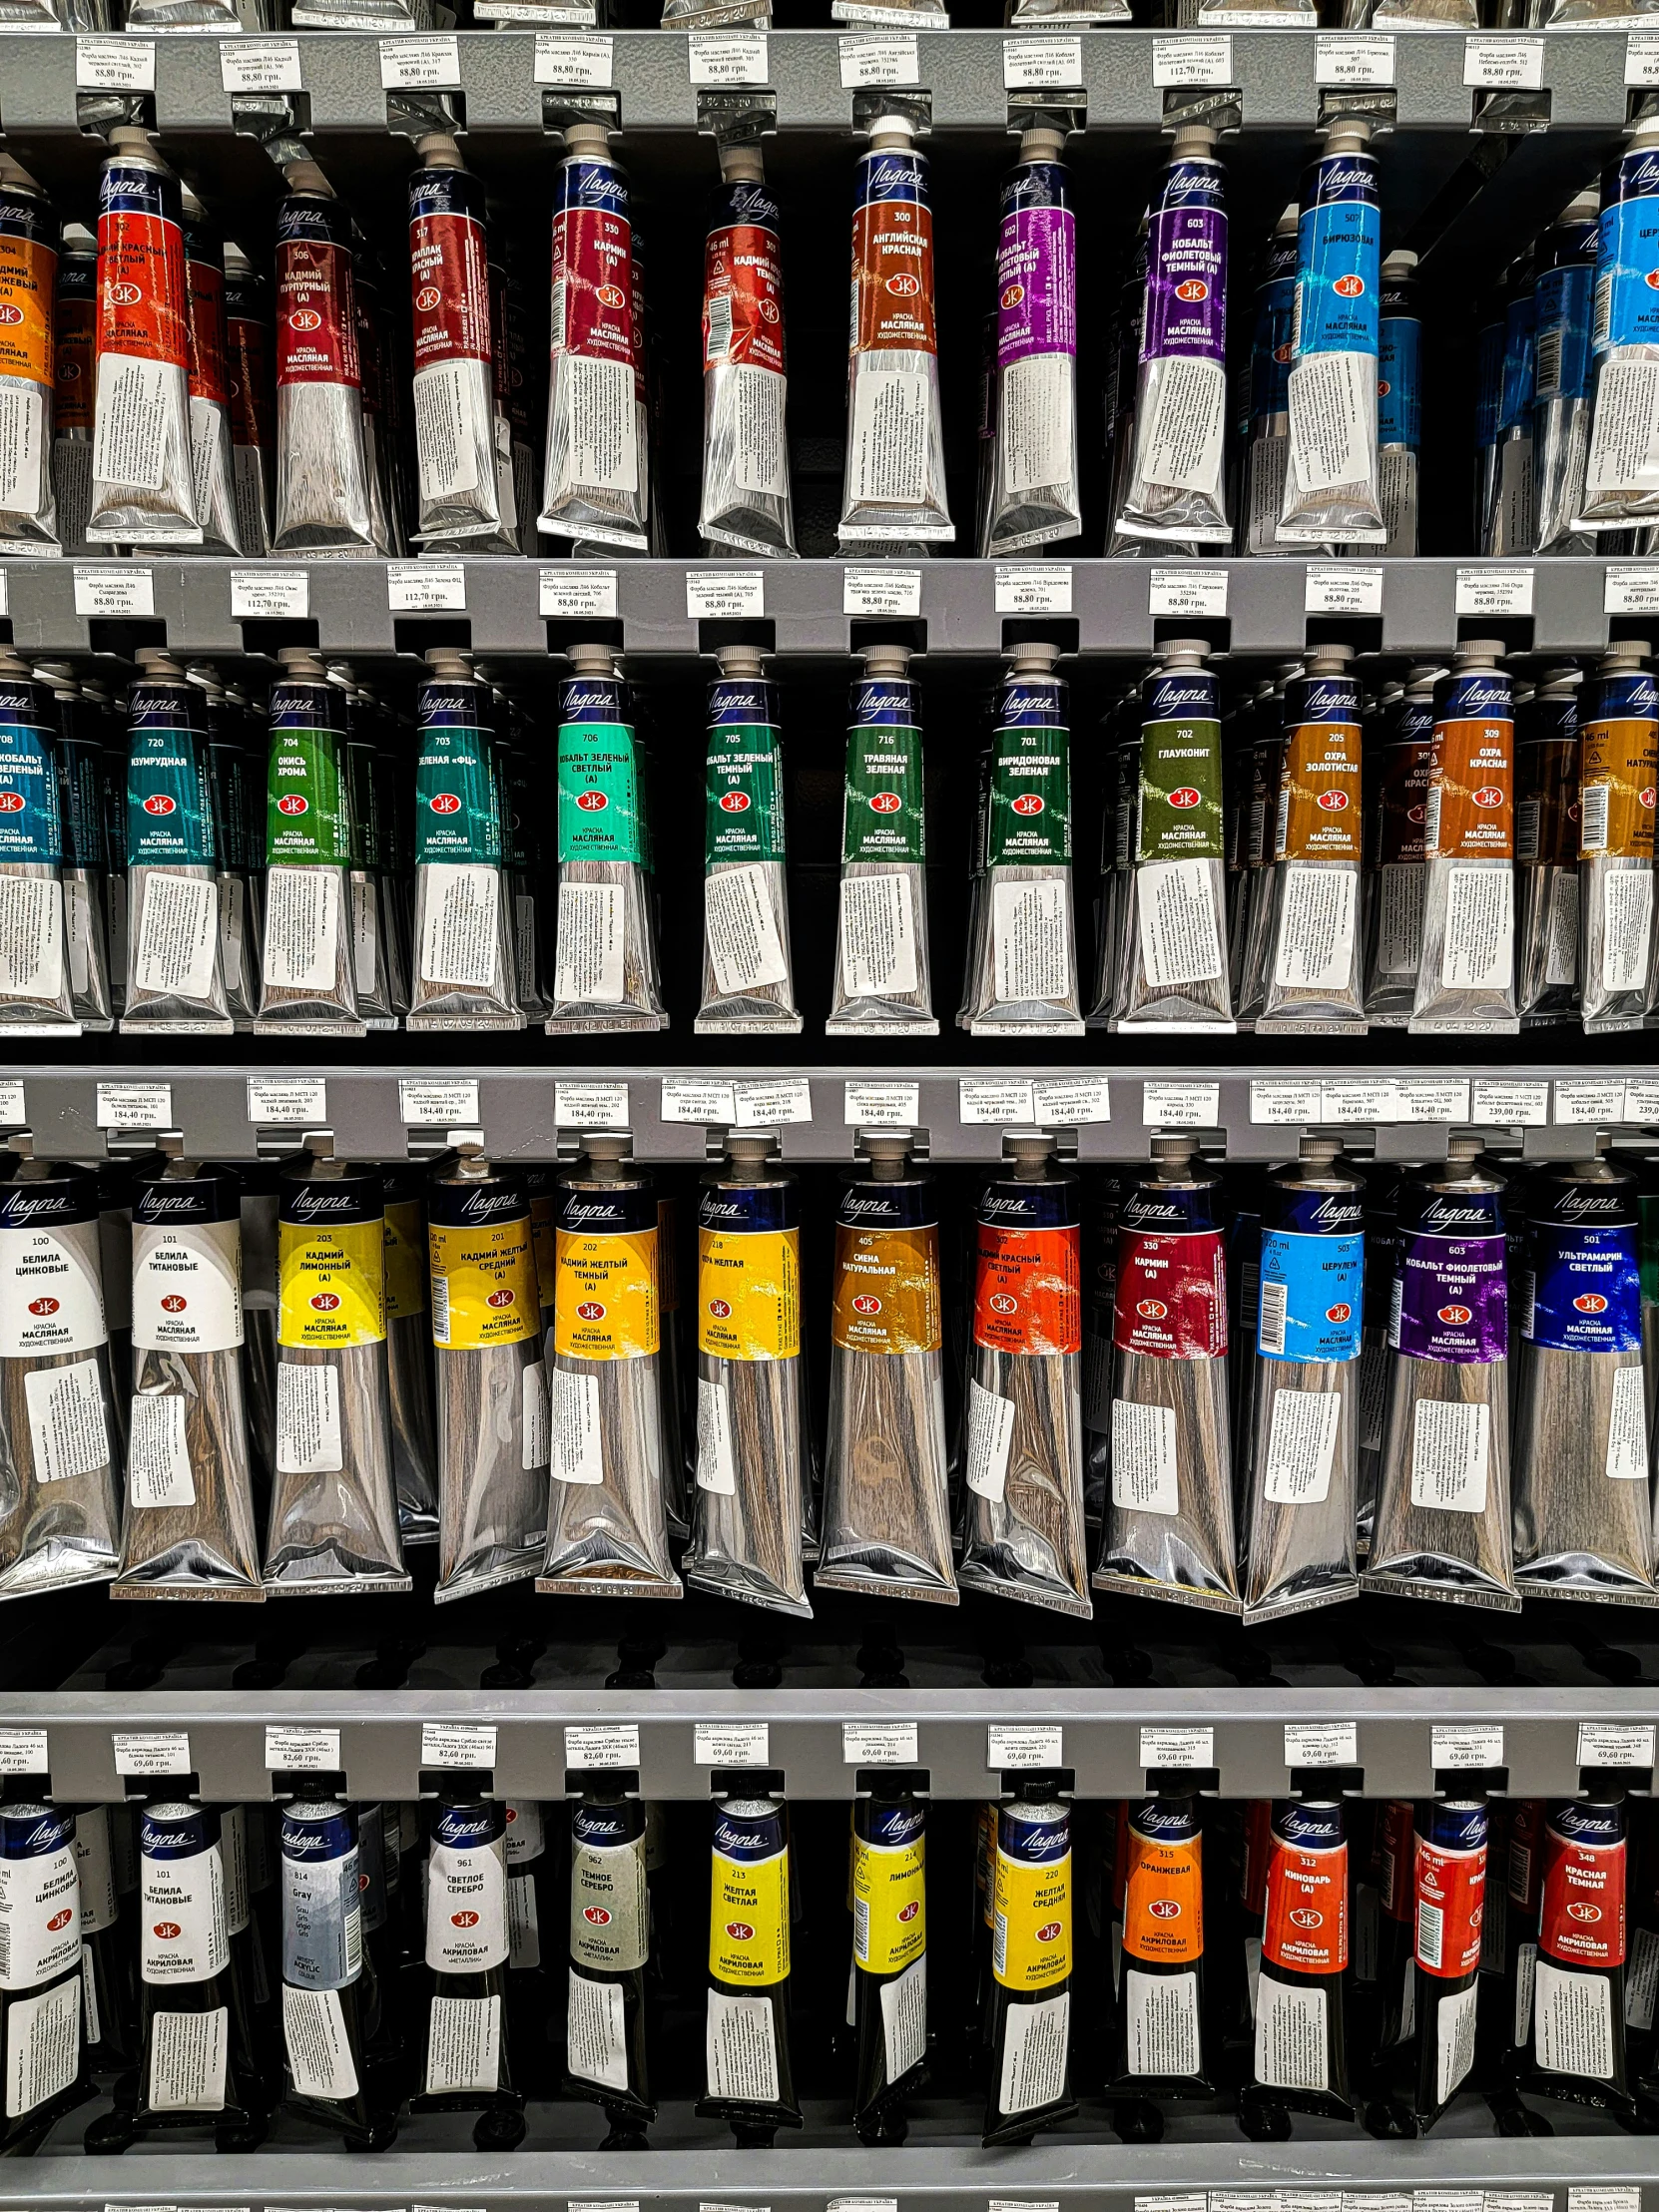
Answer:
(1037, 266)
(599, 793)
(1585, 1287)
(458, 810)
(1318, 787)
(1181, 790)
(448, 267)
(1163, 1901)
(610, 1918)
(1338, 258)
(1309, 1296)
(1185, 290)
(210, 378)
(1619, 779)
(889, 1910)
(31, 827)
(748, 1286)
(1030, 807)
(1626, 305)
(406, 1264)
(321, 1907)
(886, 1293)
(141, 270)
(1032, 1899)
(28, 273)
(1470, 779)
(183, 1932)
(187, 1283)
(50, 1295)
(1399, 382)
(316, 300)
(170, 813)
(1027, 1292)
(606, 1302)
(742, 280)
(464, 2047)
(333, 1283)
(1450, 1891)
(483, 1280)
(307, 806)
(1304, 1928)
(892, 256)
(1451, 1289)
(40, 1927)
(749, 1915)
(744, 810)
(1171, 1294)
(1403, 803)
(466, 1906)
(1582, 1918)
(882, 804)
(593, 265)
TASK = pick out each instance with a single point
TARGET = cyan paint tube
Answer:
(1508, 526)
(1622, 471)
(1618, 781)
(1563, 311)
(1162, 2012)
(1330, 477)
(882, 984)
(1177, 487)
(889, 1954)
(1573, 2009)
(1314, 970)
(1397, 869)
(1035, 495)
(1400, 402)
(308, 985)
(1300, 2053)
(748, 979)
(747, 2076)
(466, 961)
(595, 485)
(1270, 374)
(1549, 839)
(327, 1981)
(466, 2065)
(745, 453)
(1030, 2014)
(175, 975)
(607, 2059)
(1466, 979)
(42, 2036)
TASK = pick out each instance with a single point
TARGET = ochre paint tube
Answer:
(1029, 2082)
(1301, 2054)
(1466, 980)
(747, 978)
(746, 455)
(1162, 2012)
(748, 2080)
(1315, 965)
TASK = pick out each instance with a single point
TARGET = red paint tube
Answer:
(1301, 2055)
(1576, 2048)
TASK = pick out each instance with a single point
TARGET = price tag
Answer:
(260, 65)
(1496, 1103)
(1431, 1098)
(1178, 1747)
(1186, 2200)
(1641, 1100)
(1604, 2200)
(1008, 1746)
(1615, 1744)
(882, 1105)
(1070, 1102)
(590, 1105)
(12, 1114)
(1187, 591)
(568, 58)
(1589, 1101)
(1282, 1103)
(1641, 58)
(732, 1744)
(134, 1105)
(728, 57)
(879, 1743)
(152, 1752)
(270, 594)
(579, 593)
(606, 1744)
(1191, 61)
(984, 1102)
(1180, 1105)
(1352, 61)
(1263, 2200)
(425, 587)
(863, 2204)
(1033, 588)
(1377, 2200)
(1453, 1745)
(1360, 1103)
(881, 591)
(114, 591)
(5, 593)
(466, 1745)
(1041, 59)
(1630, 591)
(1447, 2200)
(1506, 63)
(1340, 588)
(301, 1750)
(880, 60)
(1495, 591)
(1322, 1743)
(688, 1098)
(725, 594)
(22, 1751)
(772, 1103)
(433, 59)
(423, 1105)
(276, 1102)
(115, 64)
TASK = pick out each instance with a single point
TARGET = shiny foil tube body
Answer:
(1622, 471)
(36, 998)
(749, 2080)
(1394, 905)
(258, 1316)
(890, 1952)
(27, 285)
(745, 453)
(1118, 396)
(895, 485)
(74, 379)
(465, 958)
(188, 1529)
(1442, 1508)
(1023, 1533)
(174, 973)
(1563, 374)
(1169, 1526)
(229, 770)
(142, 483)
(1247, 964)
(1117, 862)
(747, 978)
(247, 340)
(333, 1508)
(1034, 494)
(1268, 453)
(492, 1383)
(373, 940)
(213, 469)
(607, 1529)
(1160, 2030)
(882, 984)
(605, 2043)
(524, 853)
(409, 1354)
(1178, 960)
(1466, 981)
(328, 1984)
(595, 482)
(1314, 968)
(1547, 843)
(1618, 769)
(59, 1437)
(1489, 395)
(1399, 403)
(1028, 2008)
(324, 500)
(1332, 492)
(886, 1511)
(1508, 526)
(307, 983)
(1100, 1260)
(606, 974)
(195, 2069)
(1376, 1357)
(389, 435)
(453, 389)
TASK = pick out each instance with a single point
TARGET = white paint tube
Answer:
(1508, 526)
(748, 979)
(28, 286)
(1618, 773)
(595, 486)
(1466, 980)
(1034, 494)
(85, 869)
(323, 487)
(895, 483)
(882, 984)
(174, 973)
(248, 343)
(1314, 968)
(307, 980)
(1270, 373)
(1621, 473)
(1400, 403)
(454, 380)
(745, 453)
(74, 375)
(143, 487)
(1562, 371)
(210, 379)
(1547, 844)
(465, 962)
(36, 998)
(1399, 872)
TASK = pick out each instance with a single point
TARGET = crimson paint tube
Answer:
(1300, 2057)
(745, 454)
(210, 378)
(247, 350)
(1575, 2044)
(1449, 1891)
(454, 385)
(1159, 2041)
(322, 480)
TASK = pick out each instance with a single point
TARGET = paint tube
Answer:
(680, 15)
(886, 1513)
(1159, 2041)
(1034, 494)
(747, 2078)
(1393, 907)
(109, 1940)
(1064, 12)
(1302, 1478)
(1466, 979)
(228, 769)
(194, 2070)
(524, 856)
(894, 484)
(74, 377)
(306, 985)
(1177, 486)
(334, 1509)
(1448, 1900)
(1442, 1507)
(889, 1954)
(389, 437)
(606, 973)
(248, 339)
(1507, 524)
(1330, 477)
(882, 983)
(1117, 861)
(1247, 973)
(36, 998)
(536, 1899)
(979, 878)
(323, 485)
(1388, 1875)
(514, 459)
(1574, 2009)
(607, 1530)
(142, 482)
(1619, 772)
(327, 1982)
(1244, 1283)
(1562, 371)
(114, 1254)
(1376, 1357)
(467, 2064)
(491, 1380)
(1023, 1535)
(680, 1436)
(1400, 403)
(1178, 962)
(1642, 1977)
(190, 1529)
(208, 355)
(414, 1452)
(1099, 1292)
(258, 1214)
(752, 1482)
(1313, 967)
(595, 483)
(606, 2050)
(1546, 846)
(1123, 350)
(747, 982)
(1270, 370)
(1621, 470)
(453, 389)
(745, 454)
(27, 285)
(1023, 960)
(1029, 2011)
(465, 959)
(1169, 1526)
(1300, 2049)
(372, 950)
(175, 975)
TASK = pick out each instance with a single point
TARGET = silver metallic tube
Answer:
(1466, 981)
(1619, 767)
(325, 501)
(1563, 311)
(1621, 472)
(1547, 844)
(745, 452)
(1035, 495)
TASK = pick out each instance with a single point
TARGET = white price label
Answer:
(772, 1103)
(115, 64)
(1447, 2200)
(425, 587)
(1322, 1743)
(1360, 1103)
(877, 59)
(569, 57)
(1008, 1745)
(5, 593)
(1453, 1745)
(1040, 59)
(1604, 2200)
(1346, 60)
(22, 1751)
(1180, 1105)
(151, 1751)
(469, 1746)
(114, 591)
(1187, 591)
(1641, 58)
(1615, 1744)
(260, 65)
(1630, 591)
(134, 1105)
(579, 594)
(1641, 1100)
(1278, 1102)
(732, 1742)
(1178, 1747)
(987, 1102)
(1505, 63)
(1498, 1103)
(1341, 588)
(603, 1744)
(1431, 1098)
(1495, 591)
(727, 57)
(301, 1750)
(880, 591)
(1191, 61)
(725, 594)
(1187, 2200)
(590, 1105)
(879, 1743)
(423, 1105)
(688, 1098)
(882, 1105)
(1071, 1101)
(1033, 588)
(12, 1114)
(270, 594)
(427, 60)
(278, 1102)
(1589, 1101)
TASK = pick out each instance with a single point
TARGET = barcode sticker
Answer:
(1592, 821)
(1272, 1310)
(717, 342)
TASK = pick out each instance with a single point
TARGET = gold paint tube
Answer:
(747, 981)
(175, 972)
(1466, 981)
(414, 1452)
(1313, 973)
